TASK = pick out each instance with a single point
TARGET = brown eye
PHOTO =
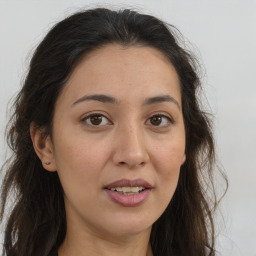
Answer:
(160, 120)
(95, 120)
(156, 120)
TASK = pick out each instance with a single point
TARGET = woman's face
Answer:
(119, 140)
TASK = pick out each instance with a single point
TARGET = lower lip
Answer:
(128, 200)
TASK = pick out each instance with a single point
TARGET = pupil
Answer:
(96, 120)
(156, 120)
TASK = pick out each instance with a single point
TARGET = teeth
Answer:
(128, 190)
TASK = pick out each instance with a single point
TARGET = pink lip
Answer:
(129, 183)
(129, 200)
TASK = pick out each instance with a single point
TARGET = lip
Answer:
(129, 183)
(129, 200)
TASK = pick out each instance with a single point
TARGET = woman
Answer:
(111, 149)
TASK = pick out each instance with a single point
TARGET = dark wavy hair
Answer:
(36, 224)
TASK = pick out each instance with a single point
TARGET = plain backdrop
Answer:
(223, 36)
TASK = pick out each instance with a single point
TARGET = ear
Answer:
(43, 148)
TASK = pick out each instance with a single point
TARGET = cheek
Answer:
(79, 167)
(169, 157)
(78, 161)
(168, 163)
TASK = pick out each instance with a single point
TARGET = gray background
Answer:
(223, 36)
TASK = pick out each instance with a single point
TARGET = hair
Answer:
(36, 224)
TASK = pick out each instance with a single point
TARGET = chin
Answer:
(130, 225)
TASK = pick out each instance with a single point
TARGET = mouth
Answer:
(129, 192)
(126, 186)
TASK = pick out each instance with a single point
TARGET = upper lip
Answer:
(129, 183)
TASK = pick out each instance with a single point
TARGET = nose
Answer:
(130, 148)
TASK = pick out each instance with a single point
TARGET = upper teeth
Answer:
(128, 189)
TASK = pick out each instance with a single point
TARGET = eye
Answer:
(95, 120)
(160, 120)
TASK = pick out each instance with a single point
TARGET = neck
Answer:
(86, 244)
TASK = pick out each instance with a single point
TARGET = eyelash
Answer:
(162, 116)
(93, 115)
(169, 120)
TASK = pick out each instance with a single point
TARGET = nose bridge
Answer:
(130, 147)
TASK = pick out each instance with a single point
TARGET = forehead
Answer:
(118, 70)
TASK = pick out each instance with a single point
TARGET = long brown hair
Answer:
(37, 223)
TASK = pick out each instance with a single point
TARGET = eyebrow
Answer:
(161, 98)
(108, 99)
(97, 97)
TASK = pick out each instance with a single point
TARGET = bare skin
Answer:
(136, 131)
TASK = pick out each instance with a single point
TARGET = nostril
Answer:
(132, 165)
